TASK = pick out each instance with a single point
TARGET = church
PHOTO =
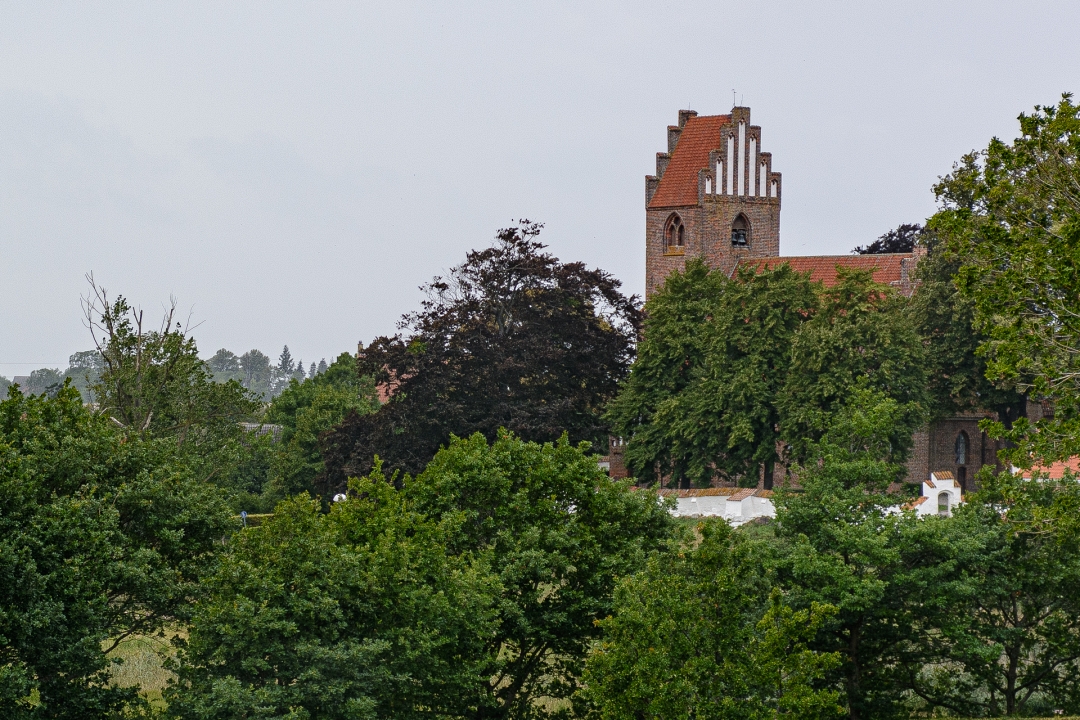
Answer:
(715, 196)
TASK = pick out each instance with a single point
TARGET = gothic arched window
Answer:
(675, 233)
(740, 232)
(961, 448)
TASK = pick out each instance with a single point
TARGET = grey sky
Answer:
(291, 172)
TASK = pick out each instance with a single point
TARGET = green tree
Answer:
(154, 385)
(306, 410)
(559, 534)
(701, 397)
(945, 320)
(84, 371)
(44, 380)
(359, 613)
(1006, 639)
(257, 373)
(224, 365)
(102, 536)
(861, 336)
(699, 635)
(1010, 216)
(510, 338)
(841, 543)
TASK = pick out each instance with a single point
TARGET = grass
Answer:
(142, 667)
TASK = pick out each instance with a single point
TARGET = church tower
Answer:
(714, 196)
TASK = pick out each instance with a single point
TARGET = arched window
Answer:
(740, 232)
(943, 504)
(961, 448)
(674, 233)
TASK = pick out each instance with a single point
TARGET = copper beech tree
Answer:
(511, 338)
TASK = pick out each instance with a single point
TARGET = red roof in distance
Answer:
(887, 269)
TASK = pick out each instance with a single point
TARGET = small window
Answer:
(943, 504)
(740, 232)
(675, 233)
(961, 448)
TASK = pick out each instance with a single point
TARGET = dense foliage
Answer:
(511, 338)
(102, 536)
(471, 592)
(701, 399)
(1011, 217)
(282, 457)
(945, 321)
(701, 635)
(729, 367)
(154, 385)
(359, 613)
(902, 239)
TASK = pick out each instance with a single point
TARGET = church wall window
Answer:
(943, 503)
(962, 448)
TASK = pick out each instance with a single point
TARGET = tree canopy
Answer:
(731, 367)
(1010, 216)
(511, 338)
(102, 536)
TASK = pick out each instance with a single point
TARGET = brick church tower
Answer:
(714, 196)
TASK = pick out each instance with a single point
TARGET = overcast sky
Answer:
(291, 172)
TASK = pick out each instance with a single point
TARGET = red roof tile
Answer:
(1056, 471)
(915, 503)
(679, 185)
(822, 268)
(742, 494)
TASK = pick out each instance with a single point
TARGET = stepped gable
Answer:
(679, 183)
(891, 269)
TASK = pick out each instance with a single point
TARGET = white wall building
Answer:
(940, 494)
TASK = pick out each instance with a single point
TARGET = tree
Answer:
(1009, 642)
(841, 543)
(305, 411)
(258, 374)
(102, 536)
(861, 336)
(84, 371)
(154, 385)
(945, 320)
(359, 613)
(510, 338)
(730, 367)
(224, 361)
(44, 380)
(901, 240)
(559, 534)
(701, 397)
(322, 366)
(1010, 215)
(699, 634)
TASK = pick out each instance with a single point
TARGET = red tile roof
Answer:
(822, 268)
(1056, 471)
(679, 185)
(915, 503)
